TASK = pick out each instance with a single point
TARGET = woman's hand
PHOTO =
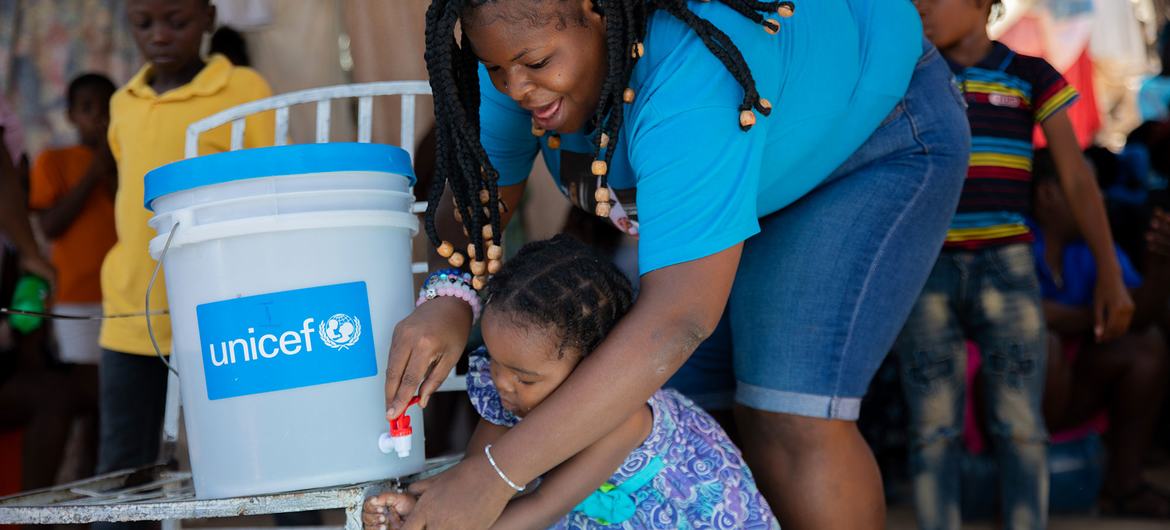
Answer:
(386, 509)
(1112, 308)
(469, 496)
(425, 346)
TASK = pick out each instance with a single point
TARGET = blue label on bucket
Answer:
(290, 339)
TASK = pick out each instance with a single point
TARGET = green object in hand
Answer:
(31, 294)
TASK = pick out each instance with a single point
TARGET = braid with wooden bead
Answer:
(564, 284)
(463, 165)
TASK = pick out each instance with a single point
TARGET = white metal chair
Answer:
(156, 493)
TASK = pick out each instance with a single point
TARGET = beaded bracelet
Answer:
(451, 282)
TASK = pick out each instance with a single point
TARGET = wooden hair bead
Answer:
(601, 195)
(637, 50)
(554, 142)
(478, 283)
(786, 9)
(484, 196)
(487, 232)
(494, 266)
(446, 249)
(604, 141)
(766, 104)
(456, 260)
(471, 250)
(602, 209)
(747, 118)
(771, 26)
(495, 252)
(478, 267)
(599, 168)
(537, 131)
(628, 95)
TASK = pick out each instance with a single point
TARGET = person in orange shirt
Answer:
(72, 189)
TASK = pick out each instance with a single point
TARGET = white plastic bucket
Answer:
(288, 269)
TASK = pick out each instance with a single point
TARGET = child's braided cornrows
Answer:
(562, 283)
(461, 161)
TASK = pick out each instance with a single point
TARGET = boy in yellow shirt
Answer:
(148, 123)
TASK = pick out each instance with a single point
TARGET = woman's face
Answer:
(548, 55)
(526, 366)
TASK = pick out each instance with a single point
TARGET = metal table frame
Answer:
(155, 493)
(158, 493)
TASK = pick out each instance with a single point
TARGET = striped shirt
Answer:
(1007, 95)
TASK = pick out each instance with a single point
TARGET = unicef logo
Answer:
(340, 331)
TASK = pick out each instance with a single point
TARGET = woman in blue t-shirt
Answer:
(789, 169)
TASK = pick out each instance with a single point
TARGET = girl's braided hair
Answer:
(564, 284)
(461, 161)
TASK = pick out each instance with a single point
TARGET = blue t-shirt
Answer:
(690, 180)
(1080, 272)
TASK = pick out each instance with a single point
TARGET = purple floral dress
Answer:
(694, 476)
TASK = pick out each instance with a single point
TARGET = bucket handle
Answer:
(149, 288)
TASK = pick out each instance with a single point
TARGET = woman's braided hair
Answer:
(563, 284)
(461, 161)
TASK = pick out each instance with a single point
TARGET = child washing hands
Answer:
(669, 465)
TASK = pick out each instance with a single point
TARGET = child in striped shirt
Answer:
(983, 287)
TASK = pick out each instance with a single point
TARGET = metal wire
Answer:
(149, 288)
(59, 316)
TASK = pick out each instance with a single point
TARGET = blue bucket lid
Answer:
(275, 161)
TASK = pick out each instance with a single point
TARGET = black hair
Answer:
(564, 284)
(231, 44)
(461, 160)
(1106, 165)
(89, 81)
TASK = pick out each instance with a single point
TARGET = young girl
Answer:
(668, 465)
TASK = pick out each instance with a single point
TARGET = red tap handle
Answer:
(400, 426)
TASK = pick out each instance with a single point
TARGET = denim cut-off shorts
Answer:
(823, 290)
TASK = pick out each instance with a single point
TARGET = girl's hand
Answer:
(425, 346)
(469, 496)
(386, 509)
(1112, 308)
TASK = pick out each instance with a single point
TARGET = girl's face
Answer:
(525, 367)
(549, 56)
(947, 22)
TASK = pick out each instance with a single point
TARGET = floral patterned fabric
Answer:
(703, 484)
(46, 43)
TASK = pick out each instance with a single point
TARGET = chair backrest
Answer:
(322, 97)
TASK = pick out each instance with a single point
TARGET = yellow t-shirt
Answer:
(148, 130)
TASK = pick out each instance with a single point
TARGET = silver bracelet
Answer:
(487, 450)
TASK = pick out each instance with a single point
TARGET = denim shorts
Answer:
(823, 289)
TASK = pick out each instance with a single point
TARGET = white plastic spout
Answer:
(396, 444)
(402, 445)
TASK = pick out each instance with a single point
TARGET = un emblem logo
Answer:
(340, 331)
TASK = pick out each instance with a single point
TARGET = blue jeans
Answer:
(823, 289)
(991, 297)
